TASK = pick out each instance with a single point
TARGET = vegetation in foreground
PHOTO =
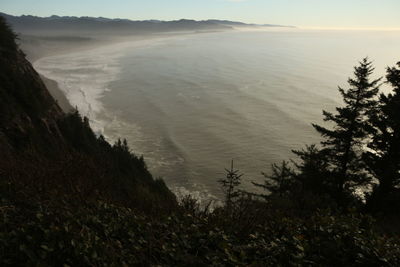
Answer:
(69, 198)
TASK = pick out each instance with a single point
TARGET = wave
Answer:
(84, 77)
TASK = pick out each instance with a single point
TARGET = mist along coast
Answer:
(192, 102)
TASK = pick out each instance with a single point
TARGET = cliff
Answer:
(41, 145)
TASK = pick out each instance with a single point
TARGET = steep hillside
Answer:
(42, 146)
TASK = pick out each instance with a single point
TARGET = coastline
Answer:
(57, 94)
(38, 47)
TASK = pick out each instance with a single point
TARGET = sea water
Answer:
(191, 103)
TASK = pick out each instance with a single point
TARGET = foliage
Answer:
(280, 182)
(8, 46)
(383, 156)
(342, 144)
(229, 185)
(69, 231)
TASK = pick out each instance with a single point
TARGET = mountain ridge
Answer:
(29, 23)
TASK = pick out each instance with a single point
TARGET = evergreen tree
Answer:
(229, 185)
(342, 144)
(7, 38)
(383, 159)
(312, 170)
(279, 182)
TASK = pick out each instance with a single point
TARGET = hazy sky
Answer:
(303, 13)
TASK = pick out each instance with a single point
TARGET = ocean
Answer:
(191, 103)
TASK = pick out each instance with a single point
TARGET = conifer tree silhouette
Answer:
(383, 158)
(229, 185)
(342, 144)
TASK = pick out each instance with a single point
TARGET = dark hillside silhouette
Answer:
(36, 136)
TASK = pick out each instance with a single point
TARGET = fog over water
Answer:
(191, 103)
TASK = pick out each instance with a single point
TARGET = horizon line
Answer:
(350, 28)
(248, 23)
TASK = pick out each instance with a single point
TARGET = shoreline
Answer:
(58, 94)
(39, 47)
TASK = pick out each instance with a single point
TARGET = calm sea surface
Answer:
(192, 103)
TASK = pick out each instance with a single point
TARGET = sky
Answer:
(300, 13)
